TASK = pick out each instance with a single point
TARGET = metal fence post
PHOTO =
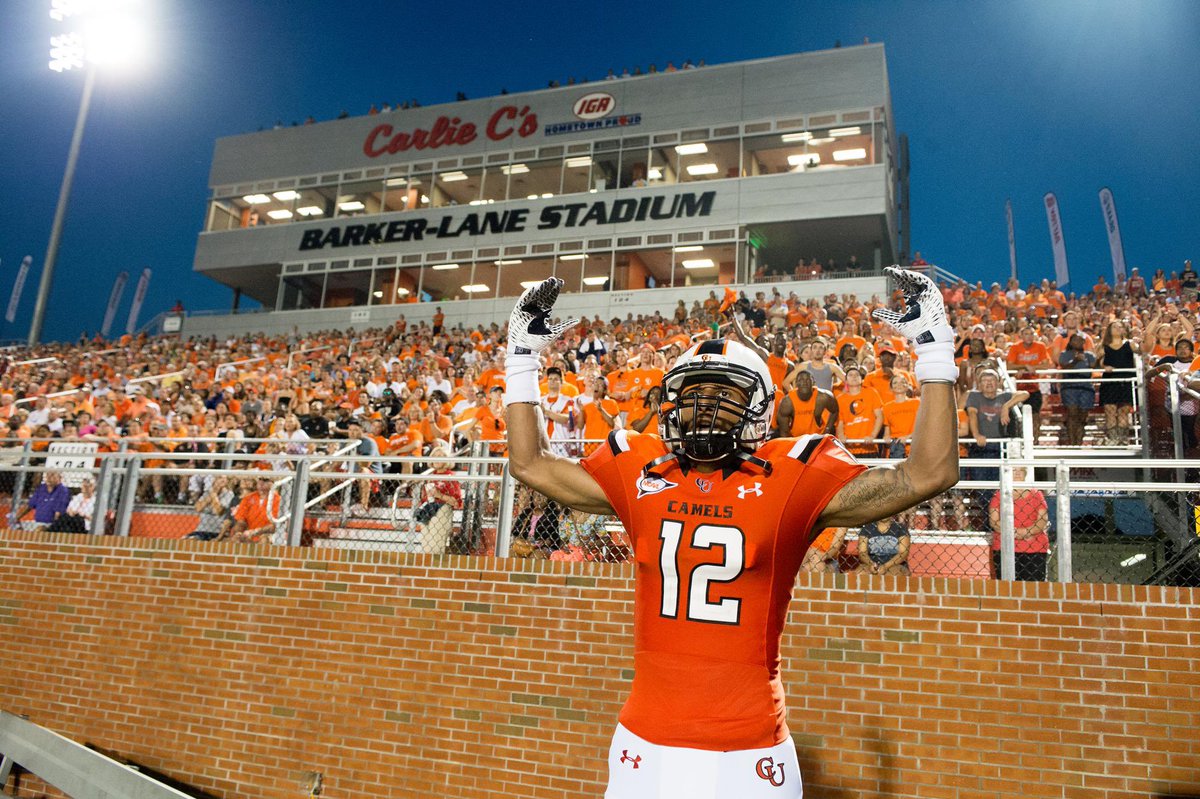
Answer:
(1008, 561)
(18, 497)
(1143, 410)
(128, 498)
(295, 522)
(1027, 430)
(104, 481)
(1176, 422)
(504, 520)
(1062, 513)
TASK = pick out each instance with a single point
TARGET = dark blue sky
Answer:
(999, 99)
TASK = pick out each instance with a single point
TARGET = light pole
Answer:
(60, 212)
(108, 34)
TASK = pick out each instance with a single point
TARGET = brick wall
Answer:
(242, 671)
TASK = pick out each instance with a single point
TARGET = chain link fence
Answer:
(1119, 520)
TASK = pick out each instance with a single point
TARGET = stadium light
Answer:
(104, 34)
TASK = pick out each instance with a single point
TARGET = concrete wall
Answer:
(242, 671)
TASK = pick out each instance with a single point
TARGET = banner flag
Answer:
(1109, 206)
(1012, 239)
(15, 299)
(1061, 273)
(138, 296)
(114, 299)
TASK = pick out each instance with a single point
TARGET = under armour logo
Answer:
(766, 770)
(755, 489)
(625, 758)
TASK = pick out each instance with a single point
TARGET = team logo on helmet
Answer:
(649, 484)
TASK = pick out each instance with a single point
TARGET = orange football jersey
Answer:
(716, 556)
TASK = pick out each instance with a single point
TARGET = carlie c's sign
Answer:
(514, 220)
(447, 131)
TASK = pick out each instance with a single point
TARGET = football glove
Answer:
(529, 333)
(924, 323)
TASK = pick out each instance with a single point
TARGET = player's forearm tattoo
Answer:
(878, 491)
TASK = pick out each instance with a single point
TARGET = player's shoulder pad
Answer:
(622, 441)
(800, 448)
(804, 448)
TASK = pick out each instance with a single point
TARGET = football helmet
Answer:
(698, 437)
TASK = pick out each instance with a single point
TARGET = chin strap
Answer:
(746, 457)
(685, 463)
(649, 468)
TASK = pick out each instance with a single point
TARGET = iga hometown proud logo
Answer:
(596, 105)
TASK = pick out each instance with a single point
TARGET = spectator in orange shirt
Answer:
(490, 425)
(860, 415)
(599, 416)
(252, 518)
(899, 416)
(1027, 356)
(880, 380)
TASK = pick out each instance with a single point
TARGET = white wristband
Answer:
(935, 362)
(521, 379)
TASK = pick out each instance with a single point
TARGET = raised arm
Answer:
(932, 464)
(529, 457)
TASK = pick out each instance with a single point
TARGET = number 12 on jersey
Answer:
(706, 536)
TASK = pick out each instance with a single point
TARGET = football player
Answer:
(720, 519)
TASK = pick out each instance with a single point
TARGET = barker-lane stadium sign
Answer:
(515, 220)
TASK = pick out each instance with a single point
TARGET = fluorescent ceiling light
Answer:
(528, 284)
(481, 202)
(376, 294)
(286, 195)
(443, 267)
(475, 288)
(698, 263)
(691, 149)
(401, 291)
(579, 257)
(310, 210)
(1138, 558)
(854, 154)
(689, 248)
(547, 195)
(595, 281)
(351, 205)
(395, 182)
(510, 262)
(579, 161)
(654, 174)
(280, 213)
(514, 169)
(702, 169)
(531, 197)
(804, 158)
(854, 131)
(824, 140)
(803, 135)
(257, 199)
(450, 177)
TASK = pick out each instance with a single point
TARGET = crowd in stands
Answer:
(413, 389)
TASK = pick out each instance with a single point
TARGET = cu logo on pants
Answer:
(766, 770)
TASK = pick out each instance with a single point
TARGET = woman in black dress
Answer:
(1116, 387)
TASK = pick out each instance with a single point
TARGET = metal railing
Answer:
(77, 770)
(1020, 515)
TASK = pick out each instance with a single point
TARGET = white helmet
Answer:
(721, 361)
